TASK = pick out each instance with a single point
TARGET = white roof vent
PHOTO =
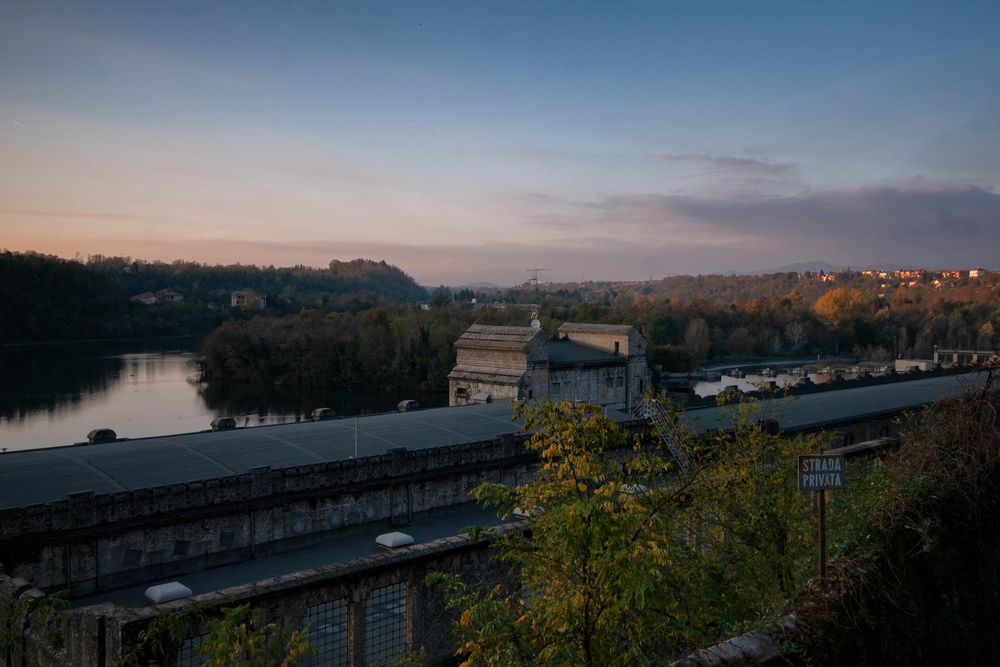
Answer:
(173, 590)
(393, 540)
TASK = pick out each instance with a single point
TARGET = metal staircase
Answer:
(653, 411)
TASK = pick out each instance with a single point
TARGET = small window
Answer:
(461, 391)
(617, 348)
(531, 394)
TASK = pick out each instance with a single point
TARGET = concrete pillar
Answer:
(356, 629)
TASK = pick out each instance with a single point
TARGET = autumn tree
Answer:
(839, 309)
(795, 334)
(626, 560)
(697, 338)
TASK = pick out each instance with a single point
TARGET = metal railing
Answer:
(653, 410)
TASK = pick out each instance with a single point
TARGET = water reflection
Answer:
(55, 395)
(53, 380)
(274, 405)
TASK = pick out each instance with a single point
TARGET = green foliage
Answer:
(163, 635)
(39, 615)
(854, 524)
(625, 561)
(239, 636)
(673, 358)
(381, 349)
(412, 659)
(243, 637)
(44, 298)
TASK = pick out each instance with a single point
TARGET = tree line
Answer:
(355, 325)
(48, 299)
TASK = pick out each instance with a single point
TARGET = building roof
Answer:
(492, 375)
(45, 475)
(568, 353)
(479, 336)
(574, 327)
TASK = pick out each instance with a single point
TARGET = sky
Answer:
(468, 141)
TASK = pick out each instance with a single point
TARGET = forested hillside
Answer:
(48, 299)
(289, 289)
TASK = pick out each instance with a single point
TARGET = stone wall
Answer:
(343, 606)
(91, 542)
(601, 385)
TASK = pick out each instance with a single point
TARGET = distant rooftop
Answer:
(568, 353)
(574, 327)
(501, 338)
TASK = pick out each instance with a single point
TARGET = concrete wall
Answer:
(601, 385)
(461, 391)
(91, 542)
(103, 634)
(631, 345)
(94, 542)
(505, 374)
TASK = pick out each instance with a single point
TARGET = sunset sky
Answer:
(469, 141)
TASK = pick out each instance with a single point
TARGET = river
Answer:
(55, 395)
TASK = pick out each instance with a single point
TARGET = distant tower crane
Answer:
(534, 277)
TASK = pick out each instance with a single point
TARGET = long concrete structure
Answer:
(105, 520)
(29, 477)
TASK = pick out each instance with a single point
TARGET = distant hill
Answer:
(286, 287)
(45, 298)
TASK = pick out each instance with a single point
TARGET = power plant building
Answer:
(604, 364)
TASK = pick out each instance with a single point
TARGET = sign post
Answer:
(817, 474)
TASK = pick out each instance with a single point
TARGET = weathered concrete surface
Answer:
(104, 634)
(750, 650)
(88, 542)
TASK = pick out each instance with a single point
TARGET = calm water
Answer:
(55, 396)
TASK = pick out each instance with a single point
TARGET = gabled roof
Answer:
(573, 327)
(481, 336)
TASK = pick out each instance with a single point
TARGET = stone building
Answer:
(604, 364)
